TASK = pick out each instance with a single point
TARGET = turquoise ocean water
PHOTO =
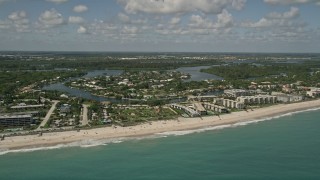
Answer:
(282, 148)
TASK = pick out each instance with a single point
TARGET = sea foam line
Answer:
(83, 144)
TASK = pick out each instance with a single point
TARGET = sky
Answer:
(161, 25)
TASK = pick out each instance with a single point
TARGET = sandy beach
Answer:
(57, 138)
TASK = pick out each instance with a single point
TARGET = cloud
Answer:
(225, 20)
(4, 24)
(275, 19)
(82, 30)
(293, 13)
(180, 6)
(277, 27)
(175, 20)
(123, 18)
(58, 1)
(17, 16)
(20, 21)
(127, 20)
(238, 5)
(129, 30)
(76, 20)
(290, 2)
(51, 18)
(197, 21)
(80, 8)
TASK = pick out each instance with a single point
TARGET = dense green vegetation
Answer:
(98, 63)
(128, 117)
(246, 71)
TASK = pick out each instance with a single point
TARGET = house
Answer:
(314, 92)
(64, 96)
(65, 108)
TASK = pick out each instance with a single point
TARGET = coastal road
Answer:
(84, 121)
(46, 119)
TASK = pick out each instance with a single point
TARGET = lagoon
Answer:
(195, 73)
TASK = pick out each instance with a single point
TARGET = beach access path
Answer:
(84, 120)
(156, 127)
(48, 115)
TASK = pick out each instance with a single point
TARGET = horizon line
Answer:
(200, 52)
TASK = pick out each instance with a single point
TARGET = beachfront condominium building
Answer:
(289, 98)
(15, 120)
(187, 110)
(260, 99)
(215, 108)
(233, 104)
(199, 108)
(285, 98)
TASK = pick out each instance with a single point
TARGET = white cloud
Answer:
(197, 21)
(76, 20)
(58, 1)
(175, 20)
(51, 18)
(123, 18)
(290, 2)
(128, 20)
(180, 6)
(4, 24)
(293, 13)
(129, 30)
(100, 27)
(20, 21)
(274, 19)
(80, 8)
(18, 15)
(225, 20)
(82, 30)
(279, 27)
(238, 5)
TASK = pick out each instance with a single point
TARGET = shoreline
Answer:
(84, 137)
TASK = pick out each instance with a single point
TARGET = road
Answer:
(84, 121)
(46, 119)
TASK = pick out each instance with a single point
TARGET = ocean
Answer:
(286, 147)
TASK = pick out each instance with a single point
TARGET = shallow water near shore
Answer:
(285, 148)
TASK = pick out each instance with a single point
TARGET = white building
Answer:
(233, 104)
(189, 111)
(313, 92)
(289, 98)
(259, 99)
(215, 108)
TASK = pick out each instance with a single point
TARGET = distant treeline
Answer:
(95, 63)
(247, 71)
